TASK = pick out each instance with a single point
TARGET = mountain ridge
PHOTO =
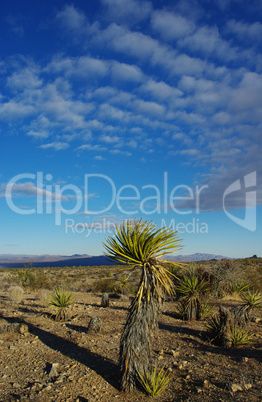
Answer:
(44, 260)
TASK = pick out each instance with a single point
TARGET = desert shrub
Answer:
(27, 278)
(225, 329)
(227, 278)
(42, 280)
(61, 300)
(16, 294)
(123, 285)
(155, 382)
(105, 285)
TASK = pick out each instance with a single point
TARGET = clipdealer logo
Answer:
(250, 219)
(128, 200)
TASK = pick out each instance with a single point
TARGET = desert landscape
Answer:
(43, 359)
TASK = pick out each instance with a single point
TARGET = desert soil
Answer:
(87, 364)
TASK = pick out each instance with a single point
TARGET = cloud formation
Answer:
(144, 78)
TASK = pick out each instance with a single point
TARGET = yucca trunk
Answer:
(136, 340)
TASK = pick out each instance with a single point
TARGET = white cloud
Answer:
(245, 31)
(127, 11)
(28, 189)
(110, 139)
(207, 41)
(57, 146)
(161, 90)
(71, 18)
(37, 134)
(26, 78)
(15, 110)
(78, 67)
(91, 147)
(171, 26)
(247, 97)
(107, 111)
(126, 72)
(152, 109)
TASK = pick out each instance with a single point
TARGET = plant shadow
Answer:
(103, 366)
(201, 341)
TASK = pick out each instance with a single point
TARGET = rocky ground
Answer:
(60, 361)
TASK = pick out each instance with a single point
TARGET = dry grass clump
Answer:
(43, 296)
(16, 294)
(105, 285)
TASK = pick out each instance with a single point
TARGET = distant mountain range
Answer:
(46, 260)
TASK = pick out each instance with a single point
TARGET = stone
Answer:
(234, 387)
(47, 388)
(14, 327)
(95, 325)
(105, 300)
(53, 370)
(175, 353)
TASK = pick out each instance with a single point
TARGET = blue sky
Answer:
(123, 109)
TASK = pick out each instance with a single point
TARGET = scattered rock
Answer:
(47, 388)
(175, 353)
(14, 327)
(105, 300)
(53, 371)
(205, 384)
(235, 387)
(95, 325)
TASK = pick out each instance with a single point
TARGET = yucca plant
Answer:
(190, 290)
(140, 245)
(61, 300)
(240, 336)
(251, 300)
(155, 382)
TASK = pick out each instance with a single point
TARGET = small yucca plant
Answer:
(155, 382)
(239, 286)
(190, 290)
(251, 300)
(240, 336)
(61, 299)
(206, 310)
